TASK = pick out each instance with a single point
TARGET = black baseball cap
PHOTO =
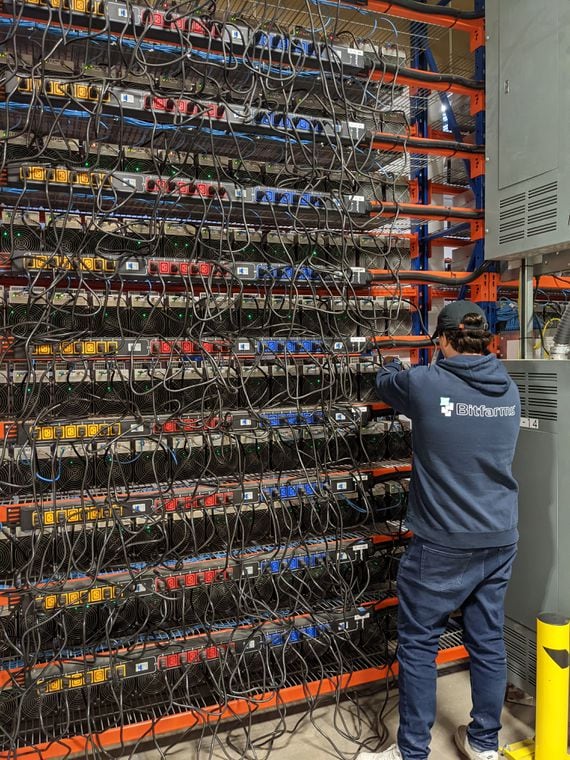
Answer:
(451, 316)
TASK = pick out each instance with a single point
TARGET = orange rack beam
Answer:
(439, 188)
(430, 213)
(425, 146)
(389, 340)
(457, 277)
(389, 470)
(448, 21)
(412, 78)
(544, 282)
(184, 722)
(450, 242)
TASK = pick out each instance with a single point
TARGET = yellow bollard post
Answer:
(552, 697)
(552, 642)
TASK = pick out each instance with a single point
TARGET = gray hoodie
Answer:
(465, 414)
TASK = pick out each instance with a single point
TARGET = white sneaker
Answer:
(392, 753)
(462, 742)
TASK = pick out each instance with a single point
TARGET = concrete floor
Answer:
(322, 738)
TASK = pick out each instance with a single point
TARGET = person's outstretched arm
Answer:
(393, 386)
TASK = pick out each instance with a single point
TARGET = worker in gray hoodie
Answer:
(463, 510)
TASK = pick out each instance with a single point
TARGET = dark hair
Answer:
(472, 338)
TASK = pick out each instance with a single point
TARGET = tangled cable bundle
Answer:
(202, 502)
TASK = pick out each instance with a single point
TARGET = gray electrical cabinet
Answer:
(541, 577)
(528, 135)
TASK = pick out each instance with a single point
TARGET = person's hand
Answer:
(396, 362)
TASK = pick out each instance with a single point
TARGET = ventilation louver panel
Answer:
(528, 214)
(521, 655)
(542, 399)
(512, 212)
(542, 209)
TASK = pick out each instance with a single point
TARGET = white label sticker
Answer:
(244, 346)
(244, 422)
(248, 496)
(139, 507)
(338, 345)
(140, 667)
(122, 12)
(342, 486)
(133, 266)
(340, 417)
(242, 270)
(126, 98)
